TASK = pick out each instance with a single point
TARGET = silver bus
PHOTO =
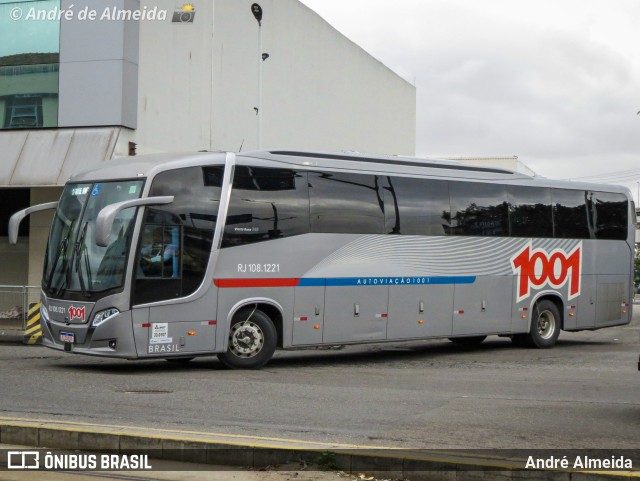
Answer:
(179, 256)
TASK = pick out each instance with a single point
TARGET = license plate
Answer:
(67, 337)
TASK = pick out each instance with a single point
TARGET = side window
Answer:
(346, 203)
(416, 206)
(570, 214)
(610, 213)
(266, 204)
(479, 209)
(160, 251)
(176, 238)
(530, 212)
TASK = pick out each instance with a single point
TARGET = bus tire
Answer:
(252, 340)
(468, 341)
(545, 325)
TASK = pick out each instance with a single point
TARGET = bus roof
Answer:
(146, 165)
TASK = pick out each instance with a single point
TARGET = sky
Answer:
(554, 82)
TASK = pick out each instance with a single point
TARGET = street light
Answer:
(257, 14)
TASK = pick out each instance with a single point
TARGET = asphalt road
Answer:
(584, 393)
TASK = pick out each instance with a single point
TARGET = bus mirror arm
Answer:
(14, 221)
(104, 221)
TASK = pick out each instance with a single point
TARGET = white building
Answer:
(510, 163)
(190, 77)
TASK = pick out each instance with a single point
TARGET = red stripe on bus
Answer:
(274, 282)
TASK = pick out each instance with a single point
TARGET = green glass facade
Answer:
(29, 63)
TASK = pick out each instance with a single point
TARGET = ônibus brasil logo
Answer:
(76, 313)
(538, 268)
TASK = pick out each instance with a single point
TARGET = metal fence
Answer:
(14, 303)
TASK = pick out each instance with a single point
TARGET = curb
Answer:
(11, 336)
(260, 452)
(12, 331)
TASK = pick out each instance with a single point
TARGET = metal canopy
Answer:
(33, 158)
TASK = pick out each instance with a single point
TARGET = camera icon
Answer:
(183, 15)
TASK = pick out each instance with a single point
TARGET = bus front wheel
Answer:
(252, 340)
(545, 326)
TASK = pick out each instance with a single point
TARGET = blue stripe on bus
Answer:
(384, 281)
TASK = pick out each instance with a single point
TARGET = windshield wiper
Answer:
(80, 252)
(62, 248)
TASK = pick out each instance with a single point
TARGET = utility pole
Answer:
(257, 13)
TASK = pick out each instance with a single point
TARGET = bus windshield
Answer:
(74, 264)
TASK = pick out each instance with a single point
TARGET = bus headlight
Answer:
(104, 316)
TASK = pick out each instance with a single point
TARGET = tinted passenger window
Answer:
(478, 209)
(346, 203)
(266, 204)
(530, 212)
(610, 215)
(176, 238)
(570, 214)
(416, 206)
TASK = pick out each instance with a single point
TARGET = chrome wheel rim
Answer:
(546, 324)
(246, 339)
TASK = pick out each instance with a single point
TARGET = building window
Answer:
(23, 112)
(29, 65)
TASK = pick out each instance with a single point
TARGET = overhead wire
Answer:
(616, 176)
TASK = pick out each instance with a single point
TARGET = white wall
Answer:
(198, 84)
(174, 81)
(320, 90)
(98, 66)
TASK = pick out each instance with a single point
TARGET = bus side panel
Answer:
(308, 316)
(585, 317)
(614, 261)
(355, 313)
(613, 294)
(140, 317)
(482, 307)
(431, 304)
(181, 328)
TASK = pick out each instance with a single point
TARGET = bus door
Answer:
(162, 274)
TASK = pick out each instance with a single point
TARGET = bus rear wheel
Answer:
(545, 325)
(252, 340)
